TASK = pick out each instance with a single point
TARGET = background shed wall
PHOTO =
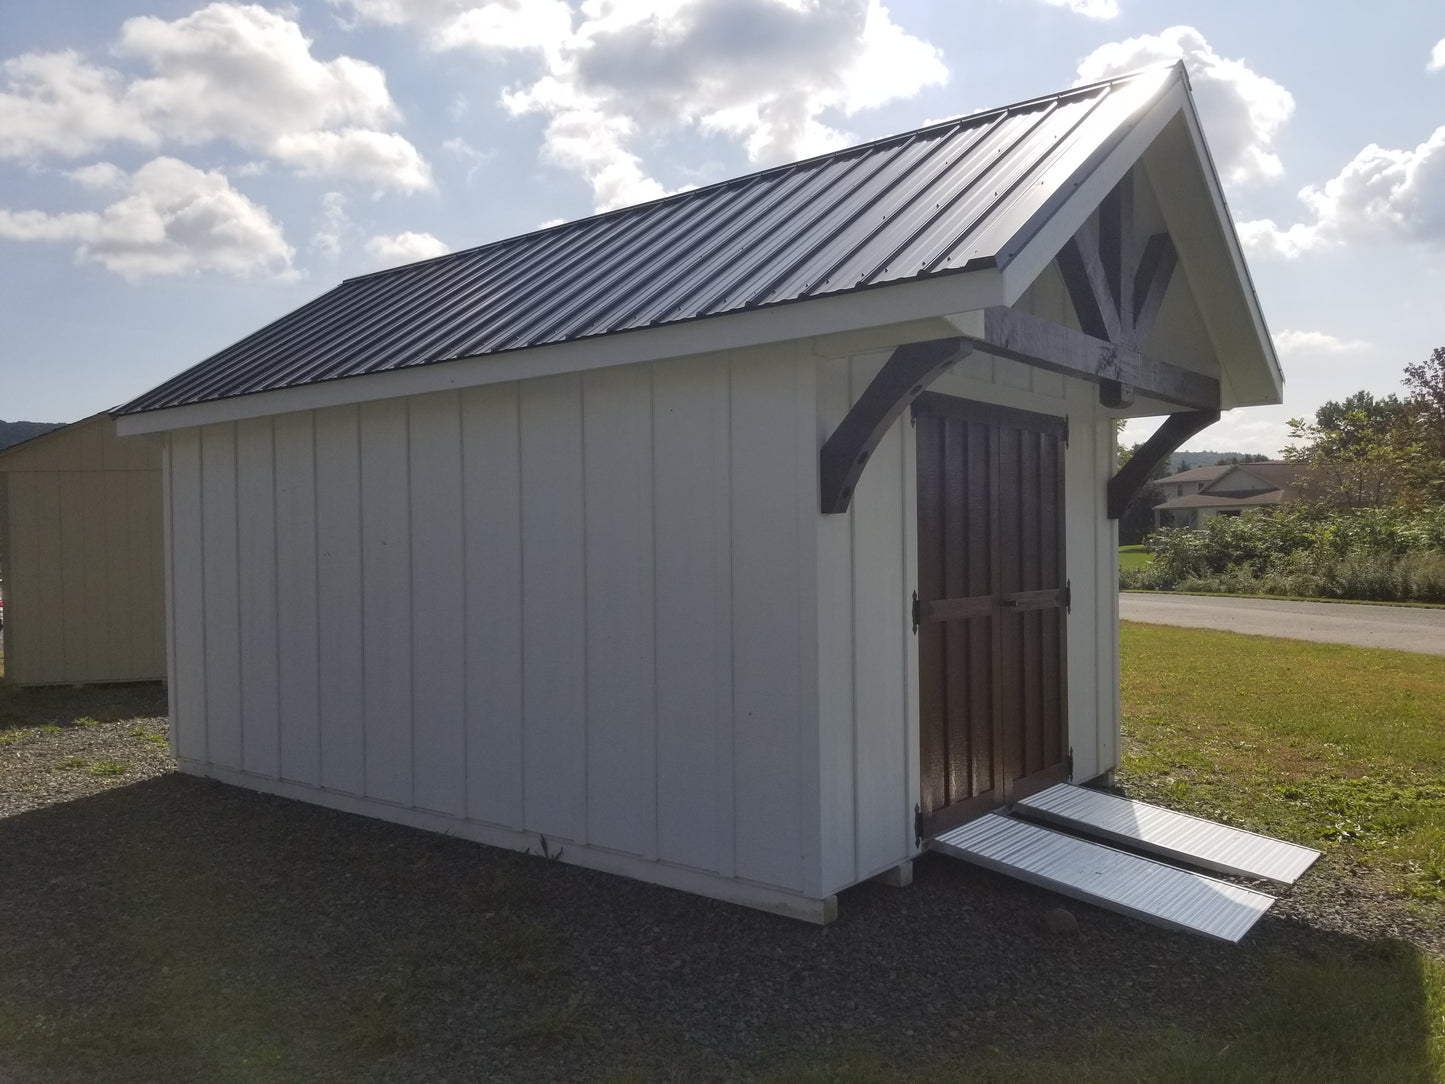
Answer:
(574, 606)
(81, 556)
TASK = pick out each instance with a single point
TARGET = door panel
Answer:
(991, 649)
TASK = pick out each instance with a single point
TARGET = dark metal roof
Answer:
(948, 198)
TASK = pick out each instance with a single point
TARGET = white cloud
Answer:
(98, 175)
(1092, 9)
(1316, 342)
(1437, 57)
(1381, 196)
(56, 104)
(488, 24)
(408, 247)
(1242, 110)
(174, 219)
(226, 72)
(771, 74)
(333, 225)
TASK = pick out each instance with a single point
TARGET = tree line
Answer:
(1371, 524)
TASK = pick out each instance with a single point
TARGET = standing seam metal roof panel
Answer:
(943, 199)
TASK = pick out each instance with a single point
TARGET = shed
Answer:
(81, 544)
(740, 541)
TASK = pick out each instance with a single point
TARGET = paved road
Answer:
(1402, 628)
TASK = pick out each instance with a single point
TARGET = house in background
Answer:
(1196, 496)
(81, 539)
(742, 541)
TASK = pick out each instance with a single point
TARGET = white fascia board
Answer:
(1030, 261)
(920, 299)
(1230, 238)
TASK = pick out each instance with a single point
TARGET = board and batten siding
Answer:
(81, 554)
(580, 607)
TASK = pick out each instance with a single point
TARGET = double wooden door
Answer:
(992, 599)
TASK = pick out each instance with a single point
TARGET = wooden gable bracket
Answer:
(910, 369)
(1177, 428)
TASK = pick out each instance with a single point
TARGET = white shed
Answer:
(735, 542)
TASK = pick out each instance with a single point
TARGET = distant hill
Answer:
(1182, 461)
(15, 432)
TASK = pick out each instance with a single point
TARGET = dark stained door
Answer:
(992, 600)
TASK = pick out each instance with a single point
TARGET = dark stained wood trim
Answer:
(1017, 335)
(1088, 287)
(973, 410)
(1116, 252)
(1177, 428)
(1151, 281)
(910, 369)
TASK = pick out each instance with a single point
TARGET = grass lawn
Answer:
(1134, 557)
(179, 930)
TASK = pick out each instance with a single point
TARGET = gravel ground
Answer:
(159, 927)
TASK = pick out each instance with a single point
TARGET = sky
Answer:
(176, 174)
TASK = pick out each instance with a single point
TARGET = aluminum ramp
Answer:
(1150, 890)
(1166, 834)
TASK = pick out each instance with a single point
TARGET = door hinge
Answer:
(1068, 596)
(917, 826)
(1069, 763)
(917, 612)
(1066, 430)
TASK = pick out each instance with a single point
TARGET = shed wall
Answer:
(81, 553)
(867, 571)
(573, 607)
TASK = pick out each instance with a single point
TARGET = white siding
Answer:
(554, 618)
(492, 554)
(576, 607)
(621, 650)
(298, 638)
(339, 603)
(438, 601)
(259, 630)
(692, 474)
(386, 669)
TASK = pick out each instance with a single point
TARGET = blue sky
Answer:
(175, 174)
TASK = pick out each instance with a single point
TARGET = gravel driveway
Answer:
(166, 915)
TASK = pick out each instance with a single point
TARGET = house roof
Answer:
(1195, 474)
(1210, 500)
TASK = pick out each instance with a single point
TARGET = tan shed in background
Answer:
(81, 533)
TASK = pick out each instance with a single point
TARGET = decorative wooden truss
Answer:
(1117, 289)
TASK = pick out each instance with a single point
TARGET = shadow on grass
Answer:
(180, 930)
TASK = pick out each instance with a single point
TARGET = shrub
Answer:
(1376, 554)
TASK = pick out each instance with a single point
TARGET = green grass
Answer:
(1335, 746)
(1134, 557)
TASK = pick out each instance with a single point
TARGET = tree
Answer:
(1361, 453)
(1248, 457)
(1138, 517)
(1425, 381)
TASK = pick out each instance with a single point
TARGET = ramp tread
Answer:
(1116, 880)
(1166, 833)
